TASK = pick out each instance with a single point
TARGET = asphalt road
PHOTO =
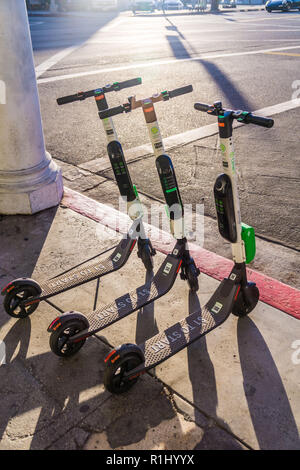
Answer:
(249, 60)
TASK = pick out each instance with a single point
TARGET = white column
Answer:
(30, 181)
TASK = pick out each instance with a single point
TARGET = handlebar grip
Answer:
(259, 120)
(111, 112)
(180, 91)
(67, 99)
(202, 107)
(130, 83)
(87, 94)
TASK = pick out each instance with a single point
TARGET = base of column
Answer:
(29, 199)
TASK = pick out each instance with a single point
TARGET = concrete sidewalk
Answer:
(237, 388)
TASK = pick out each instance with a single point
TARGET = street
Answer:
(249, 60)
(166, 52)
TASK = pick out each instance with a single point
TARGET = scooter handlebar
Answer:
(241, 116)
(180, 91)
(130, 83)
(202, 107)
(259, 120)
(70, 98)
(82, 95)
(111, 112)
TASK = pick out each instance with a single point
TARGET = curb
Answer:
(253, 9)
(272, 292)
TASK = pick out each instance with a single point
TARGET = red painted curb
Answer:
(272, 292)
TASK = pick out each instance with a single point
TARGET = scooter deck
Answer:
(132, 301)
(172, 340)
(92, 271)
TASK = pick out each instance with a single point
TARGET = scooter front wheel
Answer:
(146, 253)
(114, 373)
(13, 301)
(147, 259)
(246, 300)
(191, 275)
(59, 339)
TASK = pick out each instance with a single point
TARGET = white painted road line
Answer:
(47, 64)
(274, 18)
(112, 25)
(189, 136)
(162, 62)
(142, 43)
(53, 60)
(192, 35)
(212, 129)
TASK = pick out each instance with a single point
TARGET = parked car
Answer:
(143, 5)
(172, 5)
(71, 5)
(228, 4)
(283, 5)
(103, 5)
(38, 4)
(199, 5)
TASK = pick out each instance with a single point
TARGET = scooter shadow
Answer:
(271, 414)
(269, 407)
(204, 391)
(22, 238)
(57, 403)
(146, 325)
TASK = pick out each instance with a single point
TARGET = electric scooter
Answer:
(70, 330)
(235, 294)
(23, 295)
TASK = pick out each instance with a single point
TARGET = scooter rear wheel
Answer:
(114, 372)
(59, 339)
(15, 297)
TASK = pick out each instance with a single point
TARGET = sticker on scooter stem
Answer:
(217, 307)
(168, 268)
(158, 145)
(117, 257)
(232, 161)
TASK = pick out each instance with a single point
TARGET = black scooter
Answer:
(70, 330)
(23, 295)
(235, 294)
